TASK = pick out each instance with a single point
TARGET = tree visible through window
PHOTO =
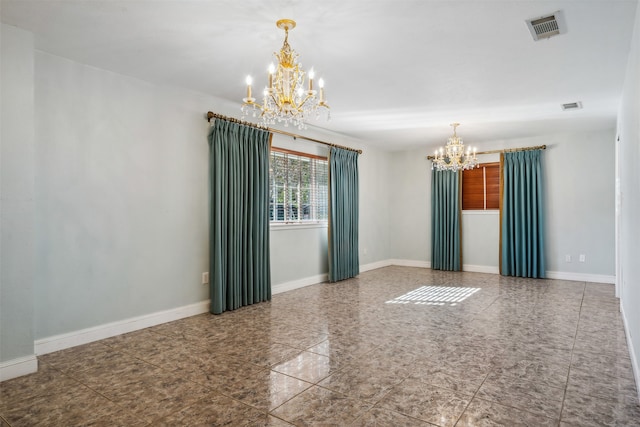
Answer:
(481, 187)
(298, 187)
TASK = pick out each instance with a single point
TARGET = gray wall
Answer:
(580, 179)
(17, 194)
(579, 182)
(122, 199)
(409, 205)
(481, 240)
(375, 212)
(629, 197)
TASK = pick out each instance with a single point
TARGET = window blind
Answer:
(299, 187)
(481, 187)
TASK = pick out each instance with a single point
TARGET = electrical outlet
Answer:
(205, 278)
(567, 258)
(582, 257)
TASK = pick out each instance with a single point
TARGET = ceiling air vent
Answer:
(572, 106)
(547, 26)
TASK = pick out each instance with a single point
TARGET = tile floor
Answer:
(396, 346)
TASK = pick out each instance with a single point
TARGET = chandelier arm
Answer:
(299, 106)
(273, 98)
(506, 150)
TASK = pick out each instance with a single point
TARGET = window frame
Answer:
(298, 223)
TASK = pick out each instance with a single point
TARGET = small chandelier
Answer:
(285, 99)
(453, 156)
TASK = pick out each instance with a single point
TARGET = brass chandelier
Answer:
(286, 99)
(453, 156)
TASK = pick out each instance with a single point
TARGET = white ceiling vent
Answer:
(544, 27)
(572, 106)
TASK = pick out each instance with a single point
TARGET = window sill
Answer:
(296, 225)
(481, 212)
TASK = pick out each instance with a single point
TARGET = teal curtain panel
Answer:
(239, 236)
(343, 214)
(522, 227)
(446, 216)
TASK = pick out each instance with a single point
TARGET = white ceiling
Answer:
(397, 72)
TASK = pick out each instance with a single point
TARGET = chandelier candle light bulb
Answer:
(285, 99)
(311, 75)
(249, 81)
(321, 86)
(272, 69)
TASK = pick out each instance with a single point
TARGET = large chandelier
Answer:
(453, 156)
(286, 99)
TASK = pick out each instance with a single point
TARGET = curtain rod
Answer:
(212, 115)
(506, 150)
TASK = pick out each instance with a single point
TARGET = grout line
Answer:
(474, 395)
(517, 408)
(65, 374)
(575, 337)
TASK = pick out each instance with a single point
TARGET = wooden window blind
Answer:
(481, 187)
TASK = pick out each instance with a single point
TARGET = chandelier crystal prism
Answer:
(287, 99)
(453, 156)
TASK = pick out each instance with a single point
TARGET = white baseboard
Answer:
(18, 367)
(301, 283)
(410, 263)
(632, 353)
(581, 277)
(85, 336)
(314, 280)
(560, 275)
(481, 269)
(375, 265)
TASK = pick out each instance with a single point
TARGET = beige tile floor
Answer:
(396, 346)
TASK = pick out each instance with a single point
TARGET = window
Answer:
(298, 187)
(481, 187)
